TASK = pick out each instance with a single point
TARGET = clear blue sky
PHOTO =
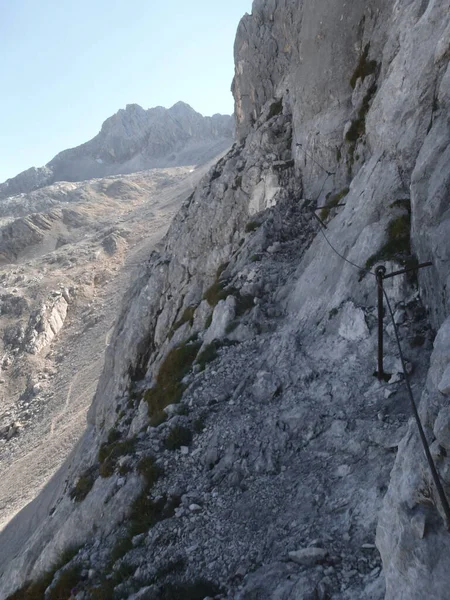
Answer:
(67, 65)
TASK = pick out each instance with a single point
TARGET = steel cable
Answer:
(434, 473)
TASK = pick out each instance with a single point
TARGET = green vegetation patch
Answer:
(66, 582)
(146, 512)
(332, 313)
(178, 436)
(237, 182)
(332, 202)
(219, 291)
(358, 126)
(252, 226)
(122, 546)
(364, 67)
(33, 590)
(186, 317)
(149, 470)
(83, 485)
(102, 591)
(276, 108)
(231, 326)
(223, 267)
(169, 387)
(200, 424)
(122, 573)
(110, 452)
(215, 293)
(208, 354)
(398, 245)
(404, 203)
(210, 351)
(244, 303)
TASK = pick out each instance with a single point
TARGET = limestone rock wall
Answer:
(385, 134)
(335, 103)
(204, 235)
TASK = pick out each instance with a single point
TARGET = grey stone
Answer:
(45, 325)
(265, 386)
(353, 325)
(441, 427)
(141, 418)
(418, 523)
(444, 384)
(222, 316)
(308, 557)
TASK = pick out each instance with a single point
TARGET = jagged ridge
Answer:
(132, 140)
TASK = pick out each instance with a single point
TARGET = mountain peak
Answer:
(181, 104)
(134, 139)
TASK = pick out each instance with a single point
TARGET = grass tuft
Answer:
(333, 201)
(146, 512)
(398, 245)
(122, 573)
(208, 354)
(102, 591)
(83, 485)
(358, 126)
(223, 267)
(110, 452)
(169, 387)
(364, 67)
(215, 293)
(149, 470)
(244, 303)
(178, 436)
(122, 546)
(186, 317)
(237, 182)
(332, 313)
(66, 582)
(252, 226)
(276, 108)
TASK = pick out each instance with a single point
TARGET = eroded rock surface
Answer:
(238, 444)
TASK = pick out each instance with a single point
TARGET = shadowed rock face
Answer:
(133, 140)
(281, 482)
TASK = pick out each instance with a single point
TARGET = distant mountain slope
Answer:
(132, 140)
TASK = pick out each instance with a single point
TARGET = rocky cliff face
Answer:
(132, 140)
(238, 445)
